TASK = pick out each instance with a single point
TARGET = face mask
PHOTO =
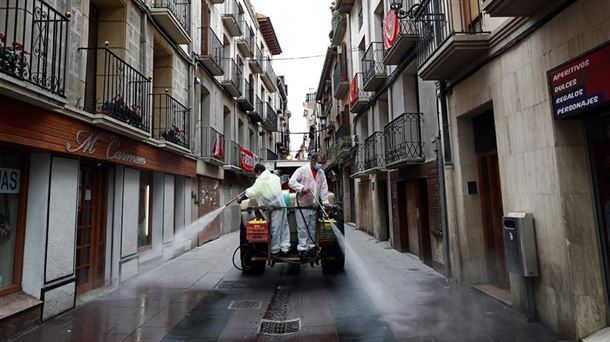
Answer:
(318, 166)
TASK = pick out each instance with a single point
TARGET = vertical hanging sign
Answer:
(246, 159)
(391, 26)
(353, 91)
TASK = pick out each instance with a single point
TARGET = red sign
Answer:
(582, 84)
(246, 159)
(391, 28)
(353, 91)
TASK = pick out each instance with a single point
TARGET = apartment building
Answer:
(115, 132)
(508, 98)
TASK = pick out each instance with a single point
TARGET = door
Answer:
(491, 209)
(412, 217)
(91, 228)
(209, 200)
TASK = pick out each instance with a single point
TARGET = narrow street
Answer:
(200, 296)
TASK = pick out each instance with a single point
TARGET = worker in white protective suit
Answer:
(267, 190)
(309, 182)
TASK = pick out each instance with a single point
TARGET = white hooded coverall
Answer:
(318, 188)
(267, 190)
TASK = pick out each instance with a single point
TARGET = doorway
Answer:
(91, 228)
(491, 198)
(414, 223)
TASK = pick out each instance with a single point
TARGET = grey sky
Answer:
(302, 27)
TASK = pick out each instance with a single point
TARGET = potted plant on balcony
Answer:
(118, 108)
(13, 58)
(174, 134)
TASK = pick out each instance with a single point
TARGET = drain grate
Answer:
(244, 305)
(270, 327)
(230, 284)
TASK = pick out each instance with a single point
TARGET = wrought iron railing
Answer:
(268, 69)
(232, 9)
(259, 106)
(270, 155)
(372, 62)
(374, 151)
(171, 120)
(232, 153)
(439, 20)
(181, 9)
(114, 88)
(356, 92)
(403, 139)
(357, 157)
(233, 73)
(211, 45)
(271, 116)
(340, 73)
(33, 43)
(247, 92)
(248, 35)
(212, 144)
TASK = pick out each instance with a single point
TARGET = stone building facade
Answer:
(119, 120)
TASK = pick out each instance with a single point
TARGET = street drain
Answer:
(270, 327)
(244, 305)
(231, 285)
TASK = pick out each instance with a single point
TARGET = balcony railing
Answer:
(33, 44)
(442, 21)
(399, 39)
(256, 61)
(358, 98)
(181, 12)
(403, 141)
(257, 113)
(270, 119)
(339, 26)
(212, 52)
(171, 120)
(114, 88)
(247, 41)
(232, 78)
(358, 158)
(270, 155)
(374, 151)
(340, 80)
(231, 18)
(213, 146)
(373, 68)
(246, 99)
(268, 76)
(232, 154)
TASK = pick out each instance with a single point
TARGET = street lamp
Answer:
(396, 6)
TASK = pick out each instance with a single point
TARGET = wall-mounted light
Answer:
(396, 6)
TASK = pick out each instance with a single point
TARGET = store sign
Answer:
(9, 180)
(246, 159)
(87, 142)
(581, 85)
(391, 28)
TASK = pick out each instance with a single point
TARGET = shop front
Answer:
(80, 208)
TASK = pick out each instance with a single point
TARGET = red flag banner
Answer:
(353, 91)
(246, 159)
(391, 28)
(218, 152)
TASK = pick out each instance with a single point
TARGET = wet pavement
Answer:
(383, 295)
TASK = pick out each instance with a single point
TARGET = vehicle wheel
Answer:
(335, 265)
(249, 266)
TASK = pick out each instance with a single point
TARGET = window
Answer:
(145, 210)
(12, 220)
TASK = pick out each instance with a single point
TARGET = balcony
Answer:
(268, 76)
(357, 154)
(213, 146)
(256, 61)
(514, 8)
(232, 17)
(447, 45)
(403, 143)
(174, 16)
(340, 80)
(270, 118)
(400, 38)
(246, 42)
(232, 79)
(269, 155)
(171, 120)
(33, 44)
(344, 6)
(116, 90)
(257, 113)
(358, 98)
(212, 52)
(246, 99)
(374, 155)
(232, 156)
(339, 26)
(373, 69)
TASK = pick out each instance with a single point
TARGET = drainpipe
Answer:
(440, 158)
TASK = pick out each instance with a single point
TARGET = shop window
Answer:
(12, 220)
(145, 210)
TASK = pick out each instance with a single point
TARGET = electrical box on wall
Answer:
(520, 244)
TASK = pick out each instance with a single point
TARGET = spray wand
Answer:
(234, 199)
(321, 206)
